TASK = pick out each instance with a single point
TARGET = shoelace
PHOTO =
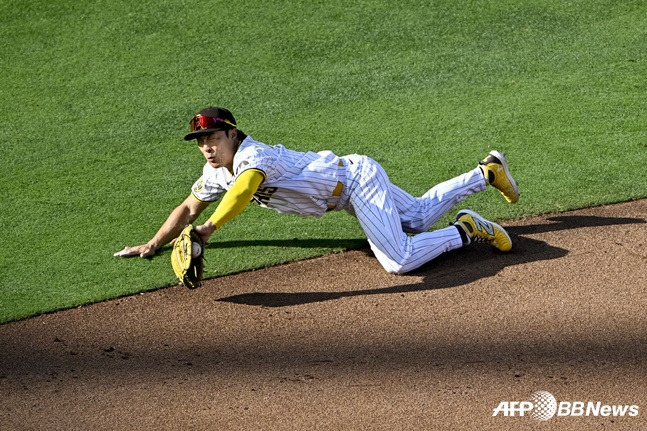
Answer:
(480, 239)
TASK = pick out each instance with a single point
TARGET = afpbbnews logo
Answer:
(543, 406)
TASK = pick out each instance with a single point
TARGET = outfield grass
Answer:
(96, 96)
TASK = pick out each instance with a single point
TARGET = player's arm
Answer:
(234, 201)
(182, 215)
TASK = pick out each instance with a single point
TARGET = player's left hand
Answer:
(205, 230)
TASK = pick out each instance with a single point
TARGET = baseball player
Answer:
(240, 169)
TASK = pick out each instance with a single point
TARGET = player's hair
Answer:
(241, 135)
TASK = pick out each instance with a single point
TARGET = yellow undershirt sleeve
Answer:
(237, 197)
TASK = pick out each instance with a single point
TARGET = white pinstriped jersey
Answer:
(295, 182)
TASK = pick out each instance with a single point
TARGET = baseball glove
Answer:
(187, 257)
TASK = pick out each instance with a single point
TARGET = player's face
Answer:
(219, 148)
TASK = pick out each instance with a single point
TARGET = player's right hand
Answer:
(143, 250)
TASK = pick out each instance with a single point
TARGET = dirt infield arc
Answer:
(336, 343)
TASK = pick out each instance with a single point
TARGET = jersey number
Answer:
(263, 196)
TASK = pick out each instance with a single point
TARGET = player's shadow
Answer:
(455, 268)
(346, 244)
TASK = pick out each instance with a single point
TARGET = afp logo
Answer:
(544, 406)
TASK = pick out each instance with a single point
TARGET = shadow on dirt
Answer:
(353, 243)
(452, 269)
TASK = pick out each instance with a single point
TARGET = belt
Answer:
(338, 188)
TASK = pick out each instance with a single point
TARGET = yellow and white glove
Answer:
(187, 257)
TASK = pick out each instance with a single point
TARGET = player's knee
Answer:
(395, 260)
(395, 266)
(398, 270)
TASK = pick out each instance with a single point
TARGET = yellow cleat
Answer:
(496, 173)
(477, 229)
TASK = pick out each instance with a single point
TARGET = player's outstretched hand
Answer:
(143, 250)
(205, 230)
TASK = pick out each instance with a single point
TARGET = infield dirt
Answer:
(337, 343)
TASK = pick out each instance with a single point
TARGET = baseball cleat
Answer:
(477, 229)
(496, 173)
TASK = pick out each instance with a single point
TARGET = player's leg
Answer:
(371, 197)
(418, 214)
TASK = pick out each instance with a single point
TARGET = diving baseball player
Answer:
(240, 169)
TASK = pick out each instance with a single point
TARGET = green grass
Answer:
(95, 99)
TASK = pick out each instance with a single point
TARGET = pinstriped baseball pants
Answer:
(387, 213)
